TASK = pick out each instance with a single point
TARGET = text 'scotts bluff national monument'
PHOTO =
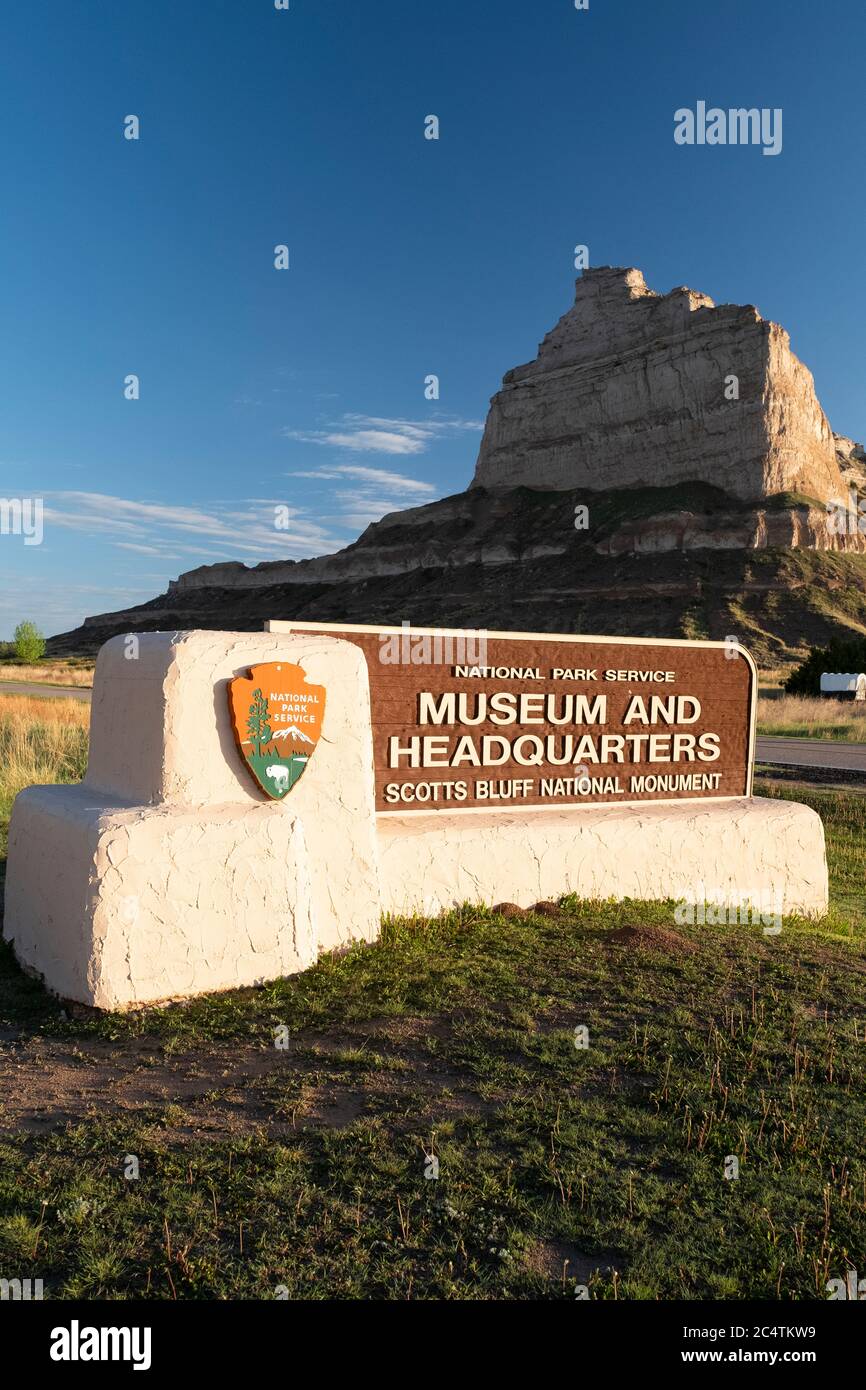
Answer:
(690, 433)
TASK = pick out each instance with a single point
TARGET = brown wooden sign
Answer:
(510, 720)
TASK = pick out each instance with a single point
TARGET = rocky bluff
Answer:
(637, 389)
(663, 467)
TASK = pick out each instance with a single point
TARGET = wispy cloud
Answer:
(378, 477)
(217, 530)
(144, 549)
(377, 434)
(378, 491)
(170, 537)
(358, 508)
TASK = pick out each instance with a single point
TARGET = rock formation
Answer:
(634, 389)
(698, 494)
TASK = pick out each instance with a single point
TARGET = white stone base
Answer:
(722, 852)
(128, 905)
(167, 873)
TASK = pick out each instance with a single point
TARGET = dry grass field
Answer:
(49, 673)
(803, 716)
(41, 740)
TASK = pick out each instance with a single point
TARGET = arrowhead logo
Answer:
(277, 721)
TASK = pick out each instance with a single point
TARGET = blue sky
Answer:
(305, 388)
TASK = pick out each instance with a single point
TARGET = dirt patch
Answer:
(321, 1080)
(46, 1085)
(557, 1259)
(652, 939)
(840, 958)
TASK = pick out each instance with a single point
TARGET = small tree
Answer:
(258, 727)
(29, 643)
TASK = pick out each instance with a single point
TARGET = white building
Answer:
(847, 685)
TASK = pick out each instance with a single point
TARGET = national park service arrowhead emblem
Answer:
(277, 720)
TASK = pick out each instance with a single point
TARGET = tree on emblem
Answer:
(258, 727)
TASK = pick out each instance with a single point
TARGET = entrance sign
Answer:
(277, 720)
(532, 720)
(438, 771)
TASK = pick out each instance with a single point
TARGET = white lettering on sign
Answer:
(539, 718)
(456, 708)
(505, 707)
(492, 750)
(640, 676)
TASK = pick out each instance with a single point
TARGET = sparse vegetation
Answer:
(695, 626)
(803, 716)
(48, 673)
(844, 817)
(454, 1038)
(41, 740)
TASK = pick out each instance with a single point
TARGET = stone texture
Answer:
(183, 751)
(748, 846)
(808, 528)
(628, 390)
(115, 906)
(167, 872)
(851, 458)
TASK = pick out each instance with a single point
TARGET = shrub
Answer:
(841, 655)
(29, 642)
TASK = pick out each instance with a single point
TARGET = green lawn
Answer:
(304, 1167)
(844, 817)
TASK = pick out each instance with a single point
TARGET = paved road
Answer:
(68, 692)
(812, 752)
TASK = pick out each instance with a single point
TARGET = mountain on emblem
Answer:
(277, 721)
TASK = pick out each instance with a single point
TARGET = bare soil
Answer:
(219, 1090)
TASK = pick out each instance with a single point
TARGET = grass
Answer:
(802, 716)
(41, 740)
(844, 817)
(77, 673)
(301, 1169)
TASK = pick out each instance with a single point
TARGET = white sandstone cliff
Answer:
(630, 389)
